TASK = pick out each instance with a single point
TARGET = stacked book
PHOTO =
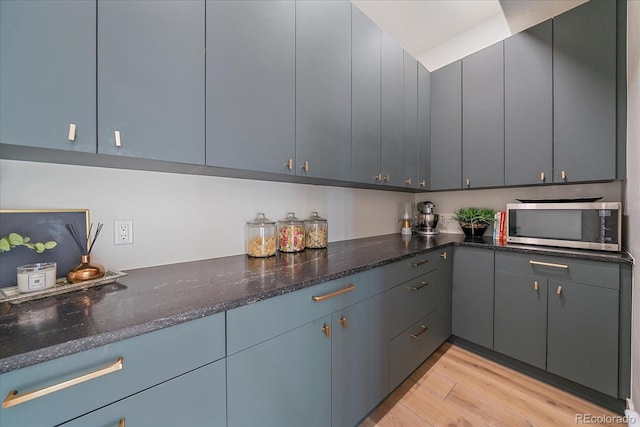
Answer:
(500, 227)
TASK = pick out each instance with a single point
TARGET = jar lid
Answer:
(291, 219)
(315, 218)
(261, 220)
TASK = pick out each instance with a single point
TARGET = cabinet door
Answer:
(472, 295)
(528, 110)
(410, 119)
(582, 342)
(323, 89)
(251, 85)
(365, 98)
(446, 127)
(483, 118)
(424, 127)
(584, 93)
(48, 74)
(151, 79)
(359, 361)
(197, 399)
(285, 381)
(520, 319)
(392, 125)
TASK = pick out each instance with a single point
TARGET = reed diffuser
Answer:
(86, 270)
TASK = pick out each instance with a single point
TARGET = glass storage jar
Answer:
(291, 234)
(316, 231)
(260, 237)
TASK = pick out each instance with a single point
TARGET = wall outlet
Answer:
(123, 232)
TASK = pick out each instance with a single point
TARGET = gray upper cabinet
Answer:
(410, 119)
(528, 97)
(584, 98)
(323, 89)
(483, 118)
(392, 125)
(151, 80)
(365, 98)
(251, 85)
(424, 127)
(48, 74)
(446, 127)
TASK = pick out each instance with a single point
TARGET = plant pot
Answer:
(474, 231)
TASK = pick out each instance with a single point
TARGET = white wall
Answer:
(186, 217)
(633, 182)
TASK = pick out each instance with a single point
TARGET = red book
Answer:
(503, 227)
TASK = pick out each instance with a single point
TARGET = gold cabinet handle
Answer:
(14, 398)
(563, 175)
(343, 322)
(305, 166)
(408, 182)
(327, 330)
(443, 255)
(548, 264)
(535, 286)
(423, 183)
(116, 135)
(378, 177)
(415, 336)
(541, 176)
(72, 132)
(387, 178)
(121, 423)
(468, 182)
(559, 290)
(349, 288)
(420, 286)
(290, 164)
(419, 263)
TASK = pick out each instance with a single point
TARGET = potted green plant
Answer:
(474, 221)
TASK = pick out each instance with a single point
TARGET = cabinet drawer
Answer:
(254, 323)
(410, 268)
(194, 399)
(146, 361)
(408, 350)
(412, 300)
(603, 274)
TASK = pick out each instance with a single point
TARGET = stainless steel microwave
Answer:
(571, 225)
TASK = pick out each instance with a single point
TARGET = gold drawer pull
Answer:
(305, 166)
(290, 164)
(378, 177)
(468, 182)
(423, 183)
(408, 182)
(563, 175)
(116, 136)
(343, 322)
(14, 399)
(559, 290)
(387, 178)
(535, 285)
(349, 288)
(541, 176)
(419, 263)
(72, 132)
(443, 255)
(548, 264)
(415, 336)
(121, 423)
(420, 286)
(327, 330)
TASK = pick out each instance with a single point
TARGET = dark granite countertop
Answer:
(152, 298)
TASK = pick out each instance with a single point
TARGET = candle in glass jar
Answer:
(36, 277)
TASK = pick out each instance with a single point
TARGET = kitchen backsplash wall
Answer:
(448, 201)
(180, 218)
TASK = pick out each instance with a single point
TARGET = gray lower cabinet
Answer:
(323, 89)
(250, 85)
(584, 93)
(424, 127)
(446, 127)
(520, 317)
(582, 337)
(365, 98)
(528, 109)
(197, 398)
(48, 74)
(472, 295)
(151, 80)
(483, 118)
(410, 120)
(392, 104)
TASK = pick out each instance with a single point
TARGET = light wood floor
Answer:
(455, 387)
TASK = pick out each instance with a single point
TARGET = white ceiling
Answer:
(438, 32)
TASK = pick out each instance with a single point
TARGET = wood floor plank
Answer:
(455, 387)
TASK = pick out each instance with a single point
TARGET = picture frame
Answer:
(42, 225)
